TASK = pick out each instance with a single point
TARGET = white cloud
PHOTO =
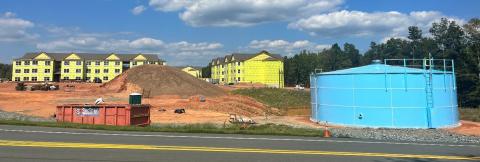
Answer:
(169, 5)
(15, 29)
(285, 47)
(242, 12)
(322, 46)
(176, 53)
(138, 10)
(9, 14)
(149, 43)
(358, 23)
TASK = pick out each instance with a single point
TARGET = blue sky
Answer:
(192, 32)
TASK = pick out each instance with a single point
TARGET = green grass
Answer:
(278, 98)
(470, 114)
(266, 129)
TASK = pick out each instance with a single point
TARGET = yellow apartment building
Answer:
(194, 71)
(42, 66)
(263, 67)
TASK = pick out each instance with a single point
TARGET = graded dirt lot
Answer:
(467, 128)
(214, 110)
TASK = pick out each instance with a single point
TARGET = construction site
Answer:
(175, 97)
(165, 88)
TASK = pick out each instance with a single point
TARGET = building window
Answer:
(78, 78)
(105, 78)
(46, 78)
(18, 63)
(66, 78)
(47, 63)
(26, 70)
(88, 63)
(66, 63)
(117, 63)
(89, 70)
(97, 63)
(26, 78)
(222, 66)
(238, 71)
(87, 78)
(105, 63)
(117, 71)
(223, 72)
(18, 71)
(79, 62)
(34, 63)
(47, 70)
(17, 79)
(105, 70)
(34, 79)
(238, 63)
(134, 63)
(66, 70)
(34, 71)
(97, 71)
(152, 62)
(78, 71)
(223, 79)
(238, 78)
(26, 63)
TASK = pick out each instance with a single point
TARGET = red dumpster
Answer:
(118, 115)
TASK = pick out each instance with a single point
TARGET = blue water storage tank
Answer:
(383, 95)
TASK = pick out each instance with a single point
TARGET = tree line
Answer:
(5, 71)
(447, 40)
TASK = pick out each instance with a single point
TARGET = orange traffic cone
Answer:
(326, 132)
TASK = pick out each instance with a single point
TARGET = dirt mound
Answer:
(161, 80)
(467, 128)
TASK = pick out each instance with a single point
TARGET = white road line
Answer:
(235, 138)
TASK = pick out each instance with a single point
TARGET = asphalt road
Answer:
(22, 143)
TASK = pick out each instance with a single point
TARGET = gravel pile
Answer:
(411, 135)
(16, 116)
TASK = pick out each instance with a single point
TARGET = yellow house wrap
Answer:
(192, 71)
(262, 67)
(39, 67)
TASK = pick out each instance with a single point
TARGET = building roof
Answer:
(246, 56)
(91, 56)
(193, 67)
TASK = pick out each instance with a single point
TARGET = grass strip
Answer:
(264, 129)
(277, 97)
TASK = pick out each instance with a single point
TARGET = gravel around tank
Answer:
(407, 135)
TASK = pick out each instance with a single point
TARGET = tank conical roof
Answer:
(379, 68)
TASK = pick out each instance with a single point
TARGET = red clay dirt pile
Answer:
(161, 80)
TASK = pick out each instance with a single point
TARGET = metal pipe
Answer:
(405, 74)
(453, 76)
(444, 75)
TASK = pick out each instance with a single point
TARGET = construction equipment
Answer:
(20, 86)
(179, 111)
(237, 119)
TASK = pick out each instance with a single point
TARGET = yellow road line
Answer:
(219, 149)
